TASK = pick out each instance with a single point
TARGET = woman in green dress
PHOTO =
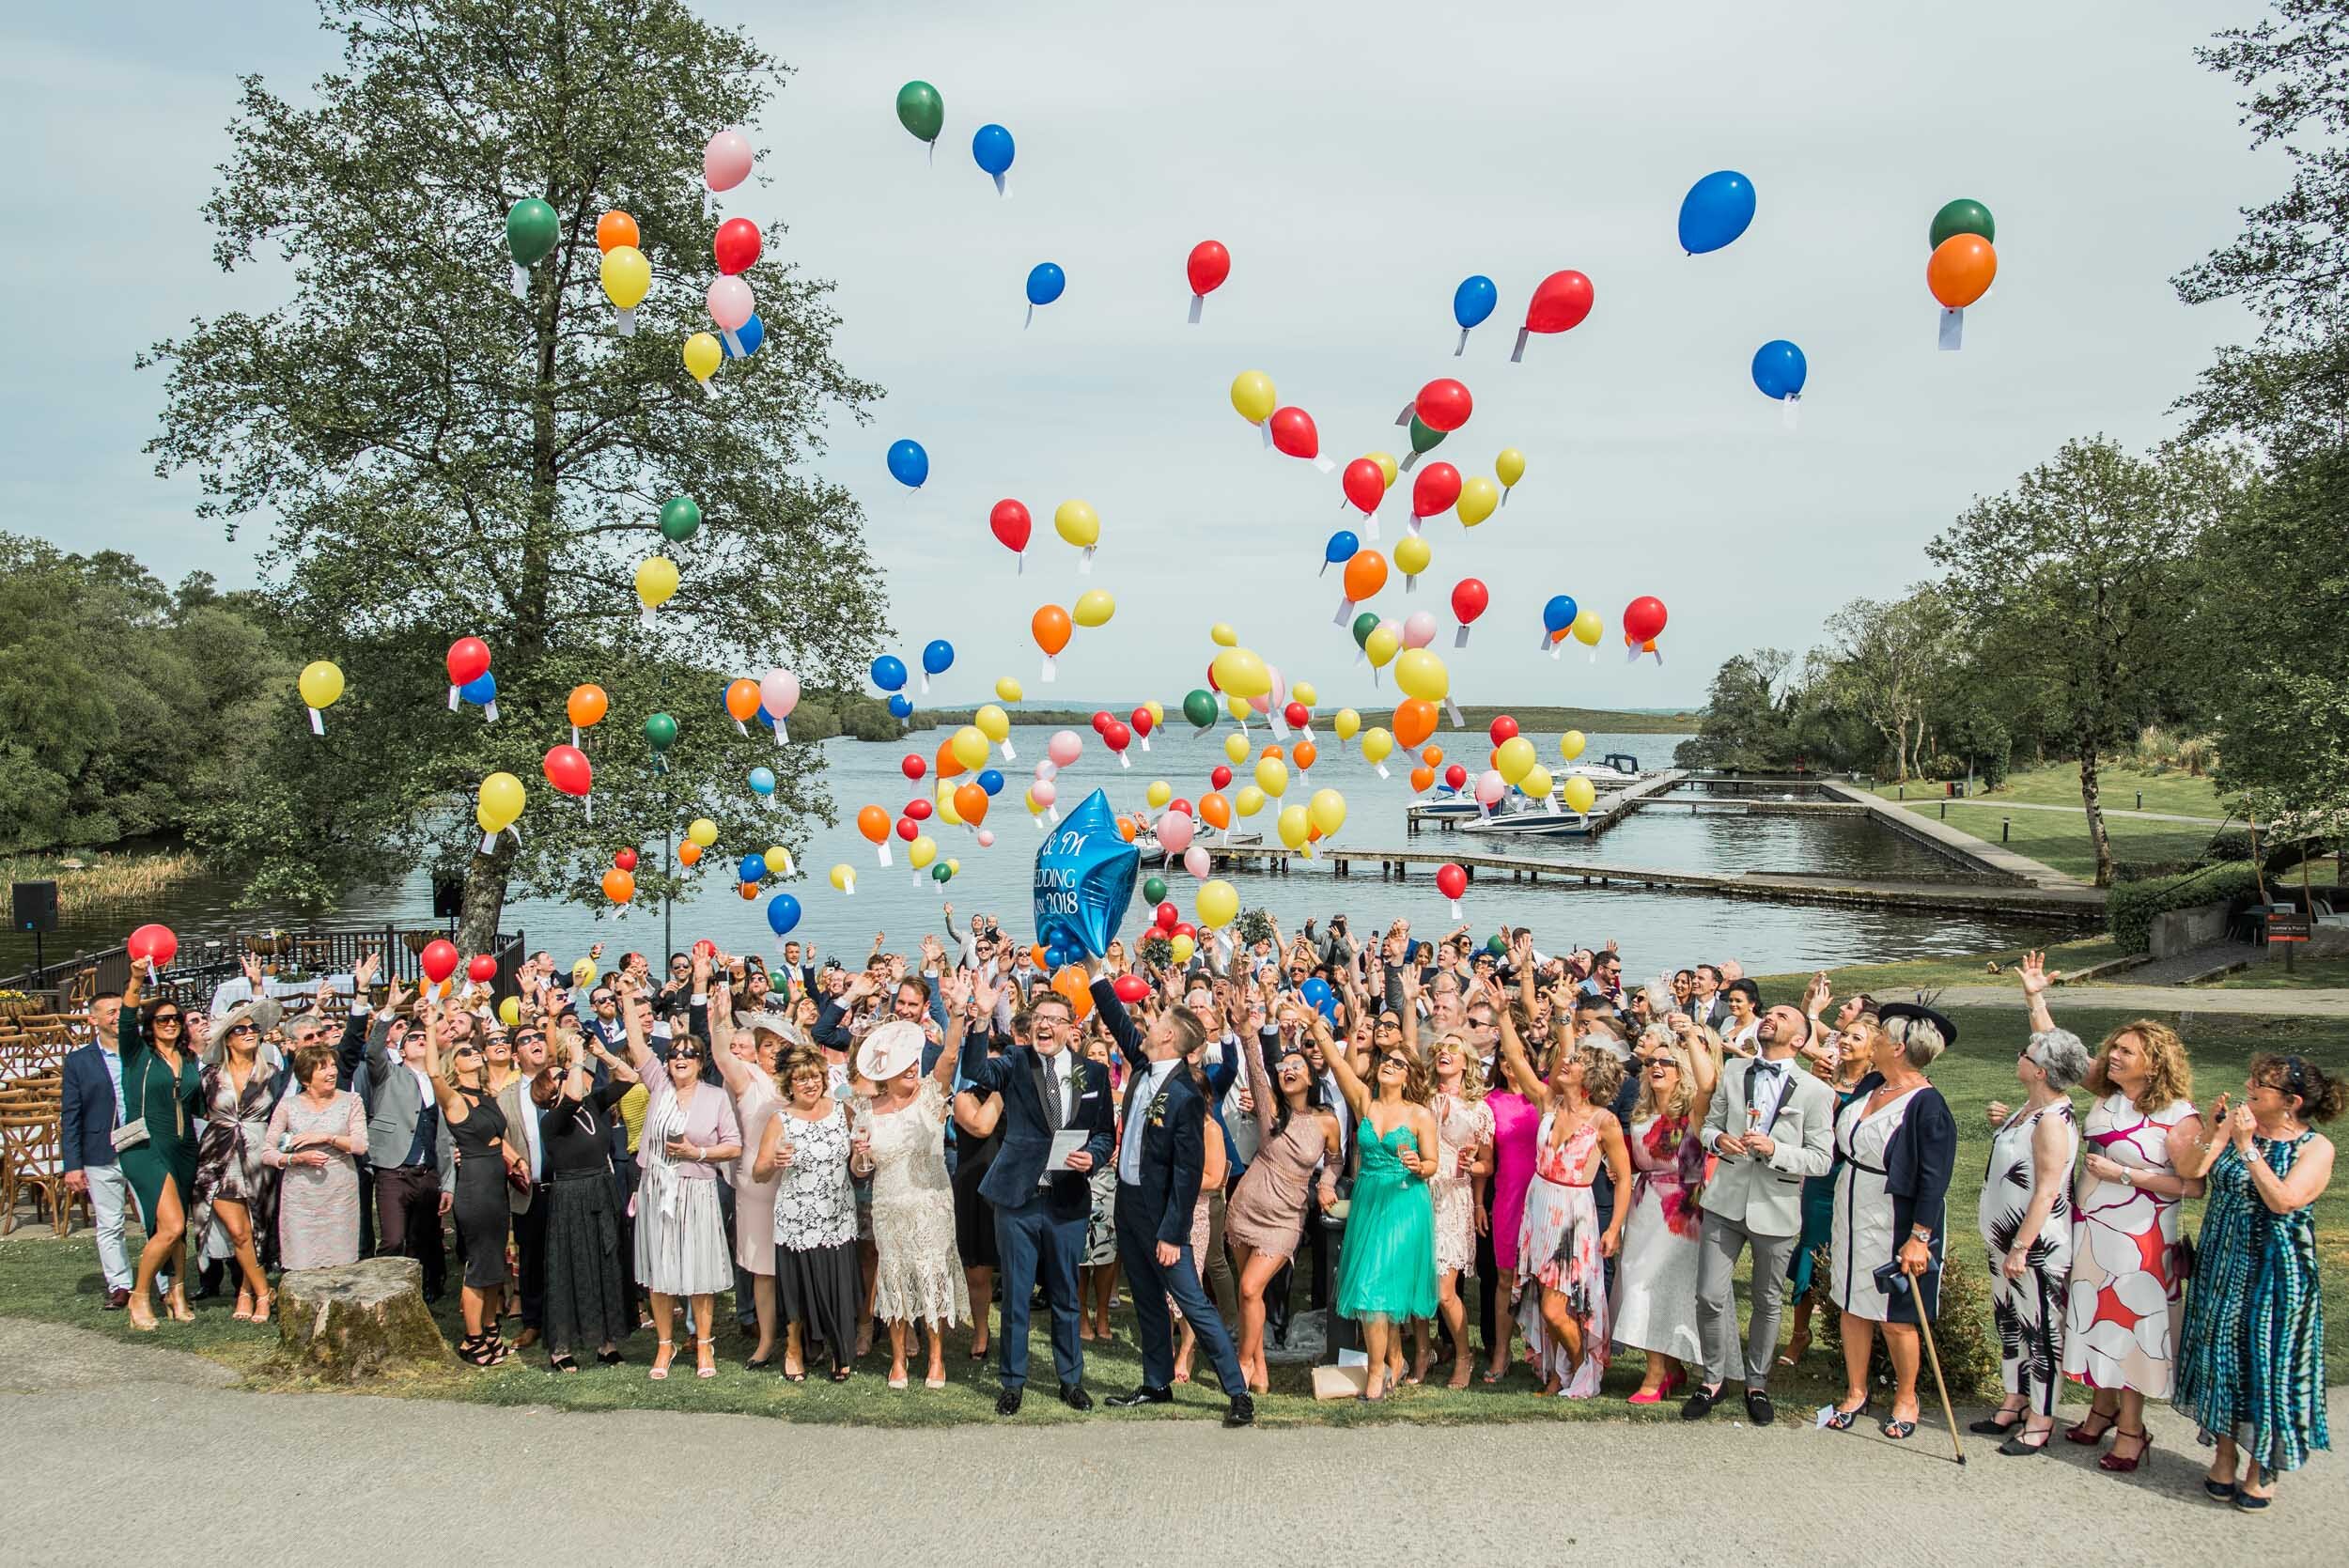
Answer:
(163, 1084)
(1387, 1264)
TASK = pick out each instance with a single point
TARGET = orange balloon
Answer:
(1423, 778)
(1273, 751)
(750, 890)
(948, 763)
(1365, 574)
(689, 853)
(588, 705)
(617, 229)
(1071, 983)
(1433, 756)
(1215, 810)
(1961, 269)
(1313, 835)
(1125, 828)
(1306, 753)
(873, 823)
(970, 803)
(1036, 955)
(1414, 720)
(1051, 627)
(743, 698)
(618, 885)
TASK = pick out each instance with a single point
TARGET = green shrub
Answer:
(2129, 910)
(2228, 843)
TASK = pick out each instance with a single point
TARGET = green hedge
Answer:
(2130, 909)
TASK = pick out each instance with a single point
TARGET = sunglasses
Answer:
(463, 1051)
(166, 1017)
(242, 1028)
(600, 1001)
(676, 1056)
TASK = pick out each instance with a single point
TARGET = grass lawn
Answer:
(1932, 974)
(2060, 839)
(2059, 785)
(56, 1281)
(2270, 977)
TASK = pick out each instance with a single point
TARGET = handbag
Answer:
(133, 1133)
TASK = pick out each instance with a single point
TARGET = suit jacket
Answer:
(1713, 1015)
(1766, 1195)
(514, 1103)
(87, 1110)
(394, 1105)
(1172, 1126)
(1026, 1131)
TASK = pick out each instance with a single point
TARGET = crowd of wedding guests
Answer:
(899, 1152)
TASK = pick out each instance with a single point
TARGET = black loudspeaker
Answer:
(33, 906)
(448, 897)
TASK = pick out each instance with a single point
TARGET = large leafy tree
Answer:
(1885, 657)
(439, 457)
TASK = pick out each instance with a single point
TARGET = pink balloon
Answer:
(1042, 792)
(1195, 861)
(1065, 747)
(1261, 703)
(1046, 768)
(1419, 630)
(779, 692)
(1175, 829)
(987, 838)
(727, 160)
(730, 303)
(1280, 694)
(1489, 787)
(1392, 626)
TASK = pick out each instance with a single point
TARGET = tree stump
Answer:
(357, 1321)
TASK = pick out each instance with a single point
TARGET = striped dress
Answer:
(2251, 1363)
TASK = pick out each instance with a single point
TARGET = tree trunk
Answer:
(355, 1322)
(2091, 797)
(484, 897)
(1900, 750)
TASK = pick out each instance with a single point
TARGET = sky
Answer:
(1359, 161)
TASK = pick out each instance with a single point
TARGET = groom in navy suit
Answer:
(1158, 1170)
(1040, 1215)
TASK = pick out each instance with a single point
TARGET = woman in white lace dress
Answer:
(1464, 1147)
(901, 1142)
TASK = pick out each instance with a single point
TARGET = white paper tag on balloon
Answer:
(1196, 302)
(1952, 328)
(1791, 402)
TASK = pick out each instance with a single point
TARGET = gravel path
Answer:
(354, 1482)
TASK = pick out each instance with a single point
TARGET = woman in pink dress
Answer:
(1516, 1143)
(746, 1057)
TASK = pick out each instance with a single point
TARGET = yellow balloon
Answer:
(1537, 784)
(1159, 793)
(1422, 674)
(1478, 497)
(627, 276)
(510, 1012)
(946, 812)
(1347, 723)
(921, 851)
(701, 831)
(1249, 800)
(1381, 644)
(1009, 690)
(321, 682)
(1510, 465)
(779, 861)
(1239, 708)
(1241, 673)
(992, 723)
(1094, 607)
(1303, 692)
(1182, 948)
(1579, 793)
(954, 866)
(1033, 809)
(500, 801)
(1078, 523)
(844, 877)
(1272, 776)
(656, 580)
(1294, 827)
(1252, 396)
(1376, 743)
(1514, 757)
(1588, 628)
(1219, 902)
(969, 746)
(1411, 554)
(702, 355)
(1570, 745)
(1386, 465)
(1236, 747)
(1328, 811)
(1158, 714)
(1222, 636)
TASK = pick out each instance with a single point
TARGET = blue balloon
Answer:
(909, 464)
(991, 149)
(1474, 301)
(481, 691)
(763, 718)
(753, 869)
(888, 673)
(1559, 614)
(1342, 547)
(783, 914)
(1715, 211)
(992, 780)
(938, 655)
(762, 781)
(1084, 879)
(750, 334)
(1319, 997)
(1779, 369)
(901, 707)
(1045, 283)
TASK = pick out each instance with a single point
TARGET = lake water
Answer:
(1652, 928)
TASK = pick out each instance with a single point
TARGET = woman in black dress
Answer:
(476, 1129)
(977, 1135)
(586, 1274)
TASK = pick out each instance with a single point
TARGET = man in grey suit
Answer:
(1772, 1123)
(415, 1174)
(1705, 1002)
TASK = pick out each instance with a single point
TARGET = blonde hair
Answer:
(1684, 1093)
(1472, 1085)
(1602, 1075)
(2172, 1078)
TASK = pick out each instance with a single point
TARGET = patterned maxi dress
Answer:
(918, 1273)
(2029, 1309)
(228, 1163)
(1558, 1247)
(2251, 1365)
(2120, 1321)
(1655, 1278)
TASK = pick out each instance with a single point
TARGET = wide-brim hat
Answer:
(772, 1023)
(1918, 1010)
(889, 1051)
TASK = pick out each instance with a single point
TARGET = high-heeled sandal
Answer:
(1840, 1420)
(263, 1304)
(2077, 1432)
(2112, 1460)
(481, 1350)
(658, 1371)
(1991, 1426)
(705, 1359)
(244, 1308)
(1899, 1430)
(2020, 1446)
(562, 1363)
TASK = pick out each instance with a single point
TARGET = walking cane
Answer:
(1925, 1323)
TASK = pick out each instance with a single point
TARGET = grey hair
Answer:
(1918, 1040)
(2060, 1055)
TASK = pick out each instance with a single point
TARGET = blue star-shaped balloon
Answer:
(1084, 879)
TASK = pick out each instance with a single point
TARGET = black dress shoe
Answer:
(1242, 1411)
(1699, 1404)
(1007, 1403)
(1074, 1396)
(1139, 1398)
(1758, 1407)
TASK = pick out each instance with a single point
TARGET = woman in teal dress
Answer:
(161, 1083)
(2251, 1359)
(1387, 1260)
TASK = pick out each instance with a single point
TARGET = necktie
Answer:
(1052, 1091)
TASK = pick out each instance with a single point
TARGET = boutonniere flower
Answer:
(1077, 1076)
(1157, 1114)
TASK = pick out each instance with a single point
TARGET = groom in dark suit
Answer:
(1040, 1214)
(1158, 1183)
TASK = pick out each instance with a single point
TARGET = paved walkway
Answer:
(2317, 1002)
(355, 1482)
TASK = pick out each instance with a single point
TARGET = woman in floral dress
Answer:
(918, 1271)
(1655, 1278)
(804, 1153)
(244, 1079)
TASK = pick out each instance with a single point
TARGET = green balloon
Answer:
(1962, 216)
(1496, 946)
(1365, 624)
(1423, 439)
(939, 872)
(1154, 891)
(921, 111)
(531, 232)
(681, 520)
(1199, 707)
(660, 731)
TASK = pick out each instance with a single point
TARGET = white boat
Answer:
(1520, 817)
(1444, 804)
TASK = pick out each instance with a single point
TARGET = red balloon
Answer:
(1131, 988)
(736, 246)
(918, 809)
(1179, 803)
(1168, 915)
(1643, 617)
(567, 769)
(1559, 303)
(705, 949)
(481, 968)
(1117, 736)
(1208, 265)
(438, 960)
(1296, 714)
(913, 767)
(625, 860)
(1450, 881)
(1365, 485)
(1503, 728)
(1211, 685)
(1187, 929)
(1011, 524)
(1221, 777)
(907, 828)
(1142, 721)
(1293, 433)
(1443, 404)
(1469, 599)
(468, 660)
(1101, 722)
(1455, 775)
(1435, 490)
(160, 943)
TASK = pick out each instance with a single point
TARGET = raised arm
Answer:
(1350, 1082)
(734, 1072)
(639, 1053)
(453, 1107)
(1704, 1063)
(1513, 1061)
(2033, 974)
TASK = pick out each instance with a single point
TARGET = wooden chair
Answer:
(29, 1161)
(81, 990)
